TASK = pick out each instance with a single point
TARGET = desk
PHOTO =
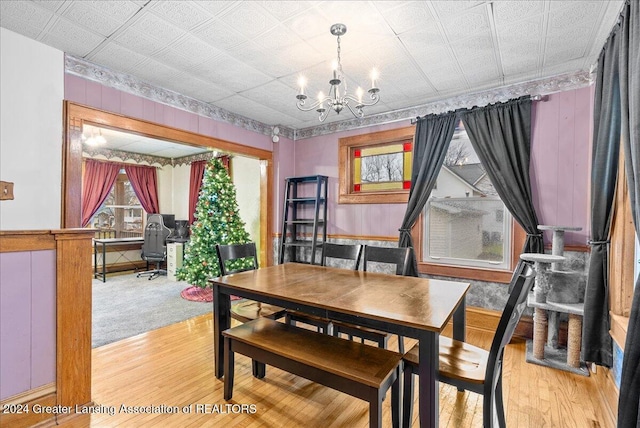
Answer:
(105, 243)
(413, 307)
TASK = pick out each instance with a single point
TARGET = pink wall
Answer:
(560, 161)
(27, 321)
(561, 129)
(93, 94)
(319, 155)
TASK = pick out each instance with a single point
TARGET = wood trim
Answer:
(609, 394)
(345, 173)
(76, 115)
(30, 395)
(73, 316)
(619, 326)
(31, 240)
(23, 420)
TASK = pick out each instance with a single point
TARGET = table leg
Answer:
(460, 322)
(427, 381)
(221, 322)
(104, 262)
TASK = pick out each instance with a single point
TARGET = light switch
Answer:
(6, 190)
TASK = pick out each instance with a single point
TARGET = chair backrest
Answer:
(342, 252)
(521, 283)
(156, 233)
(390, 255)
(230, 252)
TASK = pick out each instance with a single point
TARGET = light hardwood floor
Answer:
(173, 366)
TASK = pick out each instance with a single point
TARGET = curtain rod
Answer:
(536, 97)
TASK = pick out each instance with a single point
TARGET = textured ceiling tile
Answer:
(153, 26)
(120, 10)
(408, 16)
(360, 17)
(20, 27)
(117, 57)
(175, 58)
(450, 8)
(220, 35)
(475, 46)
(513, 66)
(215, 7)
(250, 19)
(195, 48)
(525, 31)
(156, 72)
(11, 11)
(473, 23)
(279, 37)
(138, 42)
(184, 14)
(72, 38)
(283, 10)
(81, 13)
(52, 5)
(510, 11)
(582, 14)
(310, 23)
(233, 74)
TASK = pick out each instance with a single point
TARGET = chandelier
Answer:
(338, 97)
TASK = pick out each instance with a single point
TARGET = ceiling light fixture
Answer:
(94, 140)
(338, 99)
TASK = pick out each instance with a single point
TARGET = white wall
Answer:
(246, 179)
(31, 94)
(180, 189)
(165, 189)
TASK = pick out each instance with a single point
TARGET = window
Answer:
(376, 167)
(120, 215)
(464, 222)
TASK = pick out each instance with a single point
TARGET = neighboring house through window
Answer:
(464, 222)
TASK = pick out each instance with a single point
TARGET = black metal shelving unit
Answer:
(304, 217)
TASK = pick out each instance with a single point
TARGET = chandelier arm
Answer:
(301, 102)
(358, 113)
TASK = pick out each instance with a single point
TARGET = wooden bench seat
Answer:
(362, 371)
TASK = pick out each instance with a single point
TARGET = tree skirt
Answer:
(199, 294)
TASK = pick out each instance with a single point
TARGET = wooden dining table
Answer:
(419, 308)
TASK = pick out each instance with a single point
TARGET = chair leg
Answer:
(258, 369)
(401, 344)
(487, 408)
(396, 399)
(502, 423)
(375, 412)
(407, 398)
(228, 369)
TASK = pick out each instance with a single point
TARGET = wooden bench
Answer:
(362, 371)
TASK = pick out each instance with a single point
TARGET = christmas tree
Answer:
(216, 222)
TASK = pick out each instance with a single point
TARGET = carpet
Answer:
(199, 294)
(125, 306)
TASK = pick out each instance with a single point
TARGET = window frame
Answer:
(346, 148)
(470, 263)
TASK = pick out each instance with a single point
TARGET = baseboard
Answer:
(608, 393)
(29, 408)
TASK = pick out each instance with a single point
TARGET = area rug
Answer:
(199, 294)
(125, 306)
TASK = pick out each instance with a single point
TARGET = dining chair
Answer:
(154, 248)
(244, 310)
(399, 259)
(341, 253)
(475, 369)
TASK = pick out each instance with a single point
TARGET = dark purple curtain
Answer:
(195, 182)
(96, 185)
(144, 182)
(629, 399)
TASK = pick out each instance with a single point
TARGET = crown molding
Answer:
(544, 86)
(135, 86)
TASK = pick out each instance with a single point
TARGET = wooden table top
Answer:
(425, 304)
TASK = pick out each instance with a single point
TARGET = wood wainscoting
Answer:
(73, 274)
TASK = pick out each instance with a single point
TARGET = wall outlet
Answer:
(6, 190)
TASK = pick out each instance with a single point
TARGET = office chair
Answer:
(475, 369)
(154, 248)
